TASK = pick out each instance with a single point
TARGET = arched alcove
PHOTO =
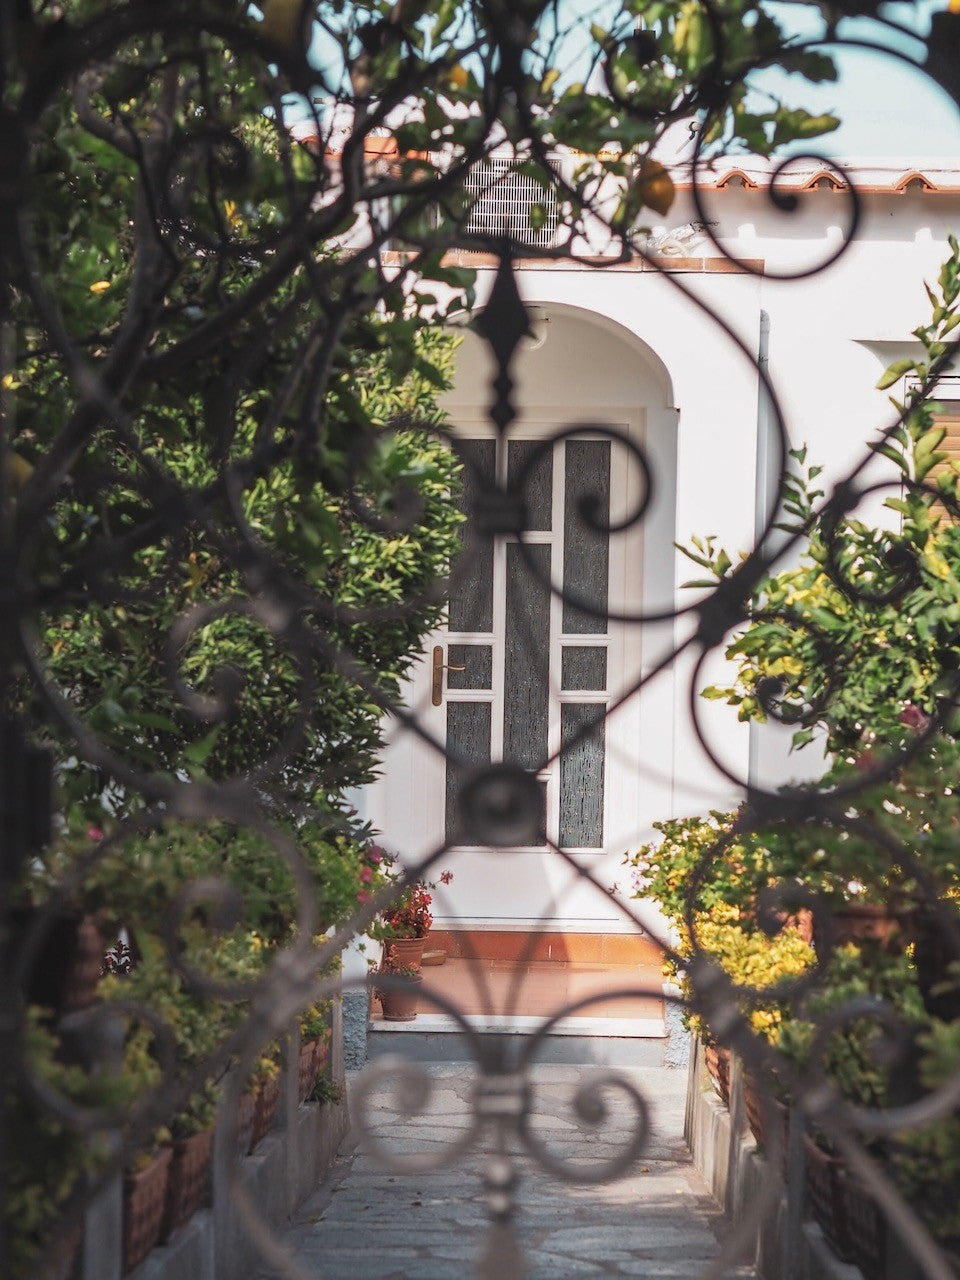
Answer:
(604, 400)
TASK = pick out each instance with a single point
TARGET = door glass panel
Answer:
(581, 777)
(585, 550)
(477, 663)
(538, 482)
(468, 743)
(583, 668)
(527, 658)
(471, 603)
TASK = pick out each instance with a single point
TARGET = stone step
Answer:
(611, 949)
(578, 1050)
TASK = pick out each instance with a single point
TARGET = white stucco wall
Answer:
(680, 349)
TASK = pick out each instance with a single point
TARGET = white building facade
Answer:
(660, 362)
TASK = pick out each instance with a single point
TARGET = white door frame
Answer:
(490, 886)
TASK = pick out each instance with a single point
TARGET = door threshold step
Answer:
(443, 1024)
(570, 1050)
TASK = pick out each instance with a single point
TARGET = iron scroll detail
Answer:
(160, 405)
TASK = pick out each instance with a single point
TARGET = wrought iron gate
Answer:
(156, 106)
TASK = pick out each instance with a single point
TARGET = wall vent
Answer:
(502, 200)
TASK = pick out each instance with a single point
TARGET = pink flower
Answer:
(363, 896)
(366, 875)
(94, 833)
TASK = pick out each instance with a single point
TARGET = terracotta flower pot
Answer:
(309, 1068)
(400, 1006)
(823, 1177)
(761, 1109)
(268, 1097)
(865, 1227)
(934, 952)
(860, 922)
(246, 1113)
(67, 969)
(66, 1262)
(717, 1059)
(409, 951)
(186, 1182)
(144, 1195)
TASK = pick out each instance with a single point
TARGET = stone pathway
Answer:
(658, 1221)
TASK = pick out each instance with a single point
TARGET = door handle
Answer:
(439, 666)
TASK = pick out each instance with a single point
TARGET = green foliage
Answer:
(315, 1022)
(46, 1158)
(762, 966)
(105, 656)
(916, 810)
(325, 1090)
(702, 875)
(851, 1059)
(137, 878)
(926, 1160)
(699, 867)
(865, 629)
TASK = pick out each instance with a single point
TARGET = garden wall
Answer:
(788, 1245)
(282, 1172)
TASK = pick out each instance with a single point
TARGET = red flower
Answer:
(366, 875)
(446, 877)
(363, 896)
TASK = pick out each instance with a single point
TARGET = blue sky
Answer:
(886, 109)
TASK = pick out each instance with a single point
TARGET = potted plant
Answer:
(702, 864)
(758, 964)
(144, 1198)
(876, 898)
(407, 920)
(314, 1047)
(705, 870)
(70, 956)
(192, 1131)
(925, 1161)
(266, 1083)
(398, 996)
(47, 1162)
(840, 1204)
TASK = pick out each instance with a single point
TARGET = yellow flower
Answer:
(457, 77)
(101, 286)
(10, 383)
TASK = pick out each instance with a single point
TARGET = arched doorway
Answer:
(517, 673)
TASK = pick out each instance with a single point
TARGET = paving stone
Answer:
(658, 1221)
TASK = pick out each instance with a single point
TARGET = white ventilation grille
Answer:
(503, 200)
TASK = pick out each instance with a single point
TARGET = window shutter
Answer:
(947, 414)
